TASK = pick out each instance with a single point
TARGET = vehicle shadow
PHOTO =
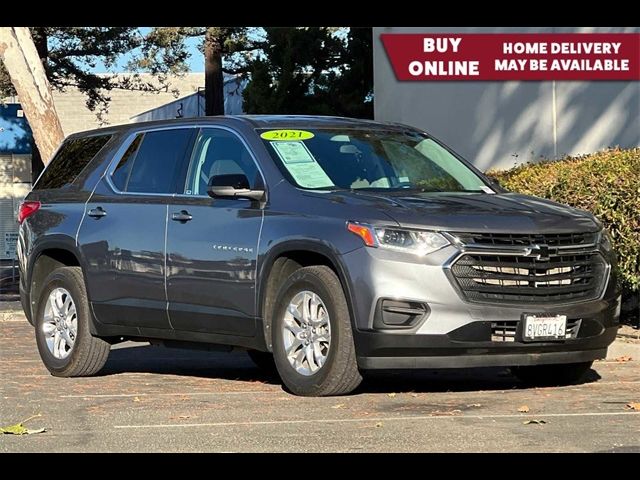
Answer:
(449, 380)
(144, 358)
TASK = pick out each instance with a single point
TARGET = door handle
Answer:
(97, 212)
(182, 216)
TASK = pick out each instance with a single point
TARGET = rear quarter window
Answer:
(72, 157)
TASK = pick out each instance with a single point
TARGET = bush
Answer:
(606, 183)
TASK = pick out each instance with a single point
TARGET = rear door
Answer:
(122, 237)
(212, 244)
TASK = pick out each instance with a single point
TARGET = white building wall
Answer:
(15, 184)
(499, 124)
(194, 105)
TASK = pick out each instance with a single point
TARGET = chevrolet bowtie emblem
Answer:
(539, 252)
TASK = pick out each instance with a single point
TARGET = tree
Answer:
(312, 70)
(351, 92)
(20, 57)
(223, 48)
(69, 56)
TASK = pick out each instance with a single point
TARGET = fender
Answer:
(314, 245)
(55, 241)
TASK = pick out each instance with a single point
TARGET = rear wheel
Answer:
(64, 340)
(312, 338)
(551, 375)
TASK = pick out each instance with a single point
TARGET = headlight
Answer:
(605, 240)
(418, 242)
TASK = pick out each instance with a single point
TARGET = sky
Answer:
(196, 60)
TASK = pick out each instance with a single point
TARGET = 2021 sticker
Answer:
(286, 135)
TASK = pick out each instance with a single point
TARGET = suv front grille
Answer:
(487, 273)
(525, 239)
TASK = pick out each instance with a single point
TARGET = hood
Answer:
(474, 212)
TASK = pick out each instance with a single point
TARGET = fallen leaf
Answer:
(17, 429)
(474, 405)
(339, 405)
(20, 429)
(534, 422)
(414, 395)
(378, 425)
(623, 358)
(633, 406)
(136, 399)
(523, 409)
(391, 395)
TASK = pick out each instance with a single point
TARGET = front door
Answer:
(212, 244)
(122, 236)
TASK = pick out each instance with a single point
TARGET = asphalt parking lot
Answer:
(156, 399)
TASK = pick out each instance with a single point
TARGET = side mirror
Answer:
(232, 186)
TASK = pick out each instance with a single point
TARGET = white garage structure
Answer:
(499, 124)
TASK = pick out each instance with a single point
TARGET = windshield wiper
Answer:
(404, 191)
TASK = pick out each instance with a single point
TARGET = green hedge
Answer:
(606, 183)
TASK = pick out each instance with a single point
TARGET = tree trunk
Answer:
(21, 59)
(213, 78)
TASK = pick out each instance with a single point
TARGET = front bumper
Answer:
(377, 350)
(455, 333)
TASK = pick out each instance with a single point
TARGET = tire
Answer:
(264, 361)
(88, 354)
(337, 373)
(551, 375)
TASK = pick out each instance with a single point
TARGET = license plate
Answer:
(544, 327)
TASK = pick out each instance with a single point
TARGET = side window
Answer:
(155, 165)
(218, 152)
(120, 175)
(73, 156)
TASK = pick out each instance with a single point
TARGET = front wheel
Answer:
(551, 375)
(313, 342)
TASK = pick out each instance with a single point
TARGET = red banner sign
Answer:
(520, 56)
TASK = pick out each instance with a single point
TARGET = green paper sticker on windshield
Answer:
(286, 135)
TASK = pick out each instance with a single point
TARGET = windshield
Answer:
(368, 159)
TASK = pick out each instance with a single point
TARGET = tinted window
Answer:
(218, 152)
(121, 173)
(70, 160)
(158, 162)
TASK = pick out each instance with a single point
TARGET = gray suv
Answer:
(324, 246)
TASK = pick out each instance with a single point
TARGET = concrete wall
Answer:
(75, 116)
(499, 124)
